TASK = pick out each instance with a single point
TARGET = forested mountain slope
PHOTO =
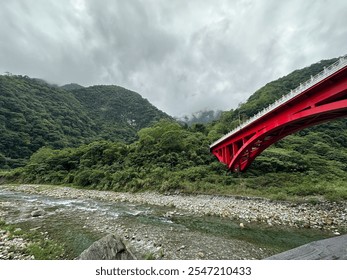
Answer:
(119, 113)
(34, 114)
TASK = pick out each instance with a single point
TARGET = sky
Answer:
(183, 56)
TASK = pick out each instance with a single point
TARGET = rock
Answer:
(181, 248)
(242, 225)
(169, 214)
(37, 213)
(109, 247)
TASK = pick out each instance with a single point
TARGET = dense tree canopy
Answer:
(34, 114)
(119, 113)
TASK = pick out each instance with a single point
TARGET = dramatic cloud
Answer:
(183, 56)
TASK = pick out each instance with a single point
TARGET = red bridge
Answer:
(320, 99)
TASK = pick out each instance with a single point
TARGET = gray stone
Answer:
(110, 247)
(334, 248)
(37, 213)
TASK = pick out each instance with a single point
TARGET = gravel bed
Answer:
(331, 216)
(12, 248)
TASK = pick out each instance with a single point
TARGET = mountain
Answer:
(201, 117)
(110, 105)
(71, 86)
(34, 114)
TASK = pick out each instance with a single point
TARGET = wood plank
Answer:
(334, 248)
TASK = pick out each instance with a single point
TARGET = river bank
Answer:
(324, 215)
(12, 248)
(152, 241)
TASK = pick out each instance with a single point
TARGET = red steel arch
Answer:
(321, 99)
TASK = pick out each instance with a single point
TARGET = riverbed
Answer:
(171, 226)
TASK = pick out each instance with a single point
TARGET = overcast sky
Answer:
(182, 55)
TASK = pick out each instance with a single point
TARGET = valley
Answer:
(169, 226)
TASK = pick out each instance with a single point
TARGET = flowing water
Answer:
(79, 222)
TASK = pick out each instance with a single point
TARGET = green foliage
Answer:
(71, 86)
(45, 250)
(165, 156)
(280, 160)
(34, 114)
(119, 113)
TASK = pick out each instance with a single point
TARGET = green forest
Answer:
(109, 138)
(35, 114)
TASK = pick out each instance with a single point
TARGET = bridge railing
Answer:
(331, 69)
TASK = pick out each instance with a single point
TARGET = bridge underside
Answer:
(323, 102)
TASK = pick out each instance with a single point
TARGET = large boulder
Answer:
(110, 247)
(37, 213)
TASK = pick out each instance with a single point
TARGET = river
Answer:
(162, 232)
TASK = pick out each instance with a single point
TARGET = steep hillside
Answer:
(119, 113)
(33, 114)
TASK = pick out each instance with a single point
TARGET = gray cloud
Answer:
(181, 55)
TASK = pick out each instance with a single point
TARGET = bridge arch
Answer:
(321, 99)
